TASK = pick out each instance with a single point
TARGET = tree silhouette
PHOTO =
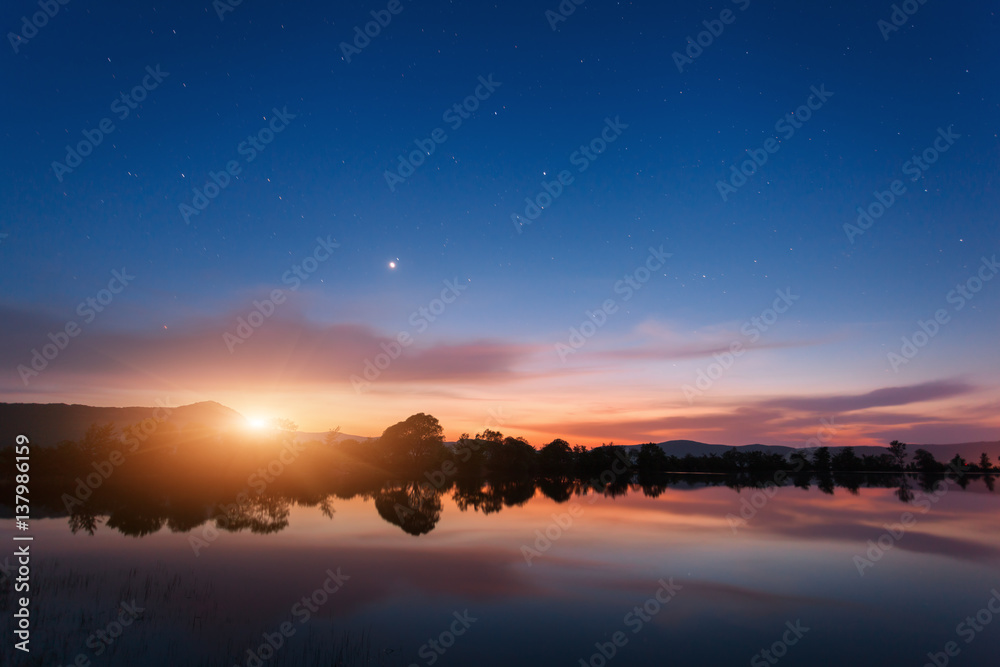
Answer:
(898, 451)
(926, 462)
(846, 460)
(99, 441)
(470, 453)
(413, 444)
(557, 456)
(821, 459)
(490, 436)
(513, 455)
(798, 460)
(651, 458)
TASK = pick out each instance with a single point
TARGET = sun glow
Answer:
(257, 423)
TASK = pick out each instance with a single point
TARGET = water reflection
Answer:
(792, 559)
(415, 506)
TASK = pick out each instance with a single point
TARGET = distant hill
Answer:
(321, 435)
(970, 450)
(48, 424)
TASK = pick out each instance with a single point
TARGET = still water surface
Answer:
(786, 580)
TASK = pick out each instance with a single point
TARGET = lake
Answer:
(688, 572)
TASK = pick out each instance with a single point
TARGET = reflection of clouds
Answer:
(792, 557)
(856, 519)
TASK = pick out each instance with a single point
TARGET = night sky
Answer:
(650, 221)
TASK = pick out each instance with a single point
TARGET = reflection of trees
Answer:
(469, 493)
(493, 494)
(136, 520)
(850, 482)
(652, 485)
(416, 508)
(82, 519)
(261, 514)
(905, 491)
(825, 483)
(183, 478)
(514, 492)
(186, 516)
(559, 489)
(326, 507)
(802, 479)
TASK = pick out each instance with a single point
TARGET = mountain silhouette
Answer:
(48, 424)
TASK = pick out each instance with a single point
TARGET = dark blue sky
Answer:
(655, 185)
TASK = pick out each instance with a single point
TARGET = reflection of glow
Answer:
(256, 423)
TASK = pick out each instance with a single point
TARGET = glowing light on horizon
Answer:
(257, 423)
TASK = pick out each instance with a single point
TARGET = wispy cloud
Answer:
(885, 397)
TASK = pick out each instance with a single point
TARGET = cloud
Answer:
(785, 420)
(716, 424)
(678, 351)
(886, 397)
(288, 349)
(653, 341)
